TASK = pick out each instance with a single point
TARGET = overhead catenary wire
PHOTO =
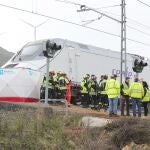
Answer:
(81, 18)
(147, 34)
(92, 20)
(108, 6)
(133, 28)
(58, 19)
(84, 8)
(73, 23)
(86, 22)
(138, 23)
(146, 44)
(69, 2)
(148, 5)
(129, 19)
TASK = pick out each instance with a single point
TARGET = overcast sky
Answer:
(14, 33)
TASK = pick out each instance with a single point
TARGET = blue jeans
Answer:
(113, 105)
(136, 102)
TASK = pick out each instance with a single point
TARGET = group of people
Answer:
(93, 92)
(103, 94)
(107, 92)
(57, 85)
(138, 93)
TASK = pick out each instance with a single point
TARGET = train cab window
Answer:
(29, 52)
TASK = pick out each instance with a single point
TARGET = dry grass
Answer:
(125, 131)
(23, 130)
(35, 130)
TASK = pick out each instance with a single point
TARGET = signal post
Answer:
(49, 52)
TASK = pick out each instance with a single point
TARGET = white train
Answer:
(75, 59)
(20, 76)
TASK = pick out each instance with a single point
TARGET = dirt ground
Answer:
(61, 108)
(90, 112)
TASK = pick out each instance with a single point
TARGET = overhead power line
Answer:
(138, 30)
(146, 44)
(138, 23)
(65, 1)
(58, 19)
(86, 8)
(143, 3)
(73, 23)
(86, 22)
(92, 20)
(108, 6)
(69, 2)
(129, 19)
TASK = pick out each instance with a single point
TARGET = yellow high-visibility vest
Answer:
(147, 96)
(102, 86)
(84, 89)
(112, 88)
(136, 90)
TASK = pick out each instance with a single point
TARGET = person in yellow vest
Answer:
(146, 98)
(103, 103)
(136, 92)
(56, 84)
(51, 90)
(63, 81)
(93, 89)
(113, 91)
(50, 85)
(124, 90)
(84, 89)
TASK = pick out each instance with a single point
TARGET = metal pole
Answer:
(47, 78)
(137, 75)
(123, 66)
(123, 41)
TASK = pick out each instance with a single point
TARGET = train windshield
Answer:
(29, 52)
